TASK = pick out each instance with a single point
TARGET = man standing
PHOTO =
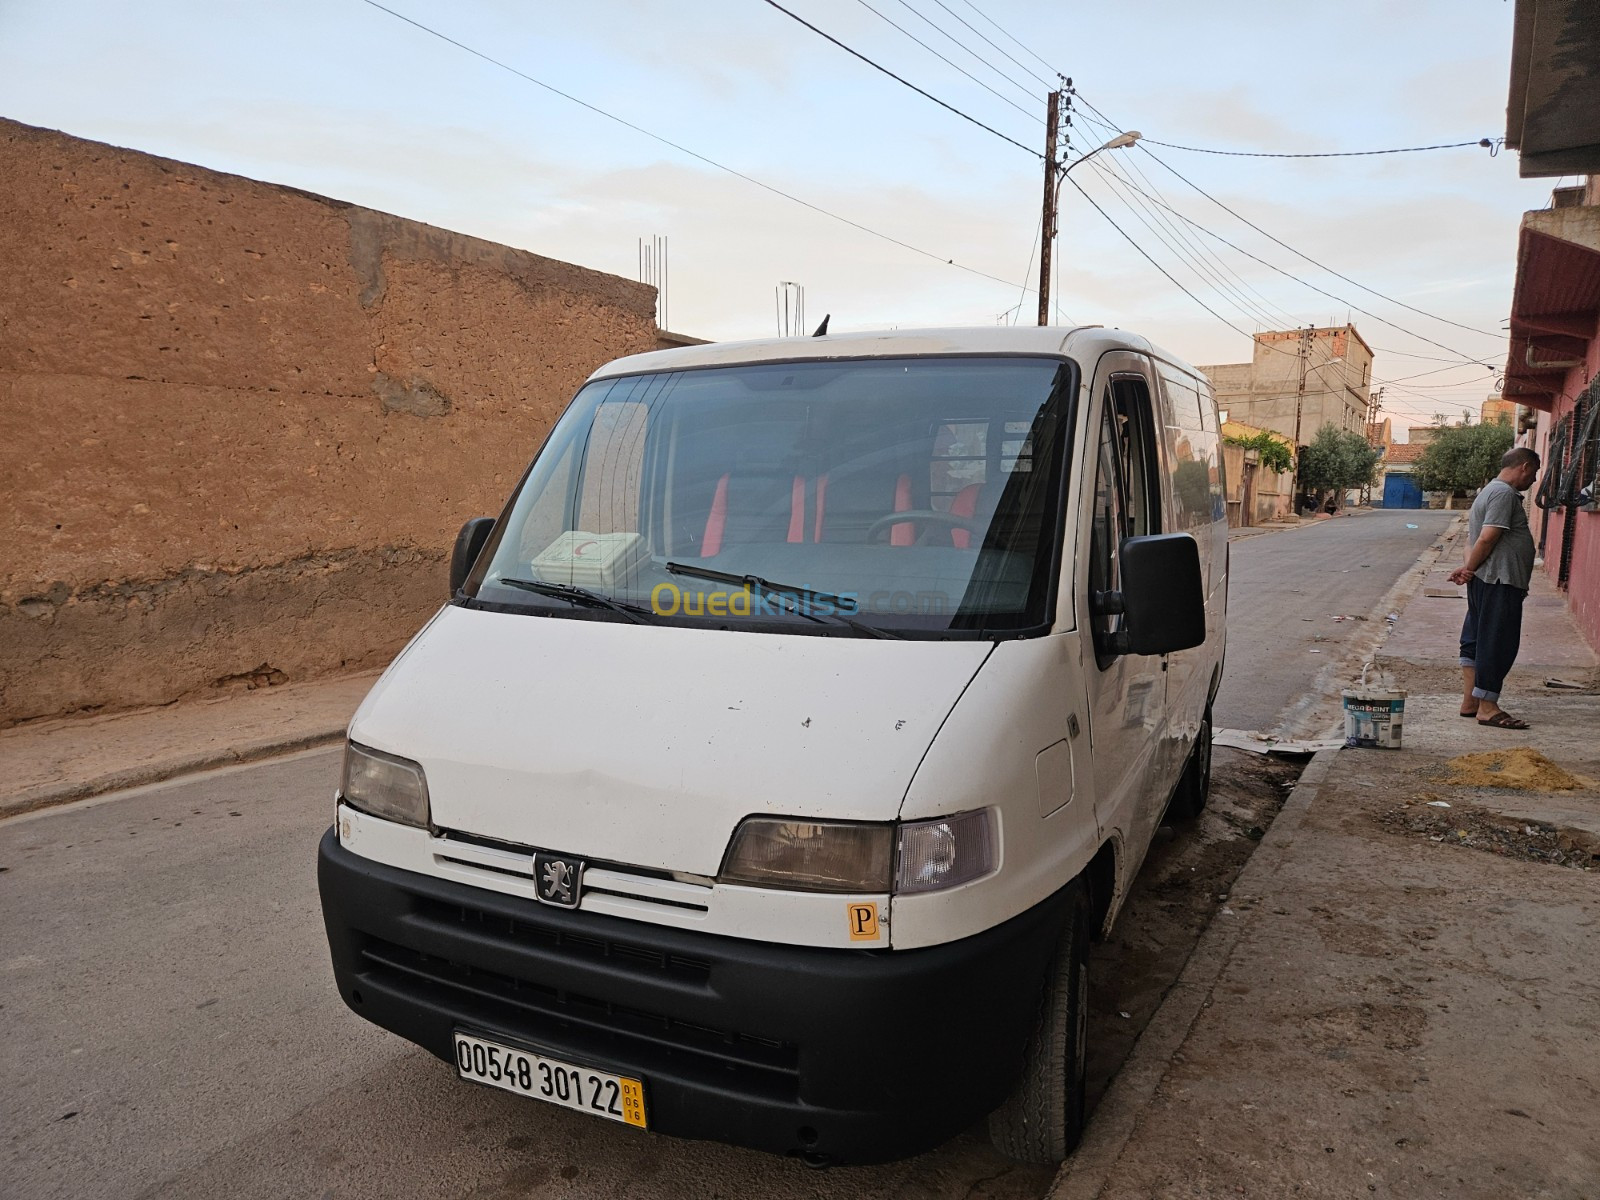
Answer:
(1498, 569)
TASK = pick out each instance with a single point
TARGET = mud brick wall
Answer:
(240, 424)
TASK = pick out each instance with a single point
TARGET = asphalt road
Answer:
(172, 1029)
(1284, 591)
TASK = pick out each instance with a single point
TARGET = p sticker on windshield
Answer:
(863, 922)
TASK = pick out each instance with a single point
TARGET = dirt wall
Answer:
(240, 424)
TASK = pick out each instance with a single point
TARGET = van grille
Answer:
(585, 1025)
(577, 945)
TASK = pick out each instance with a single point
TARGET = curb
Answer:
(1121, 1111)
(51, 795)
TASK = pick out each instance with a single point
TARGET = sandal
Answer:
(1504, 720)
(1473, 713)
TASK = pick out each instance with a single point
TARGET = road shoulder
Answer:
(1396, 999)
(57, 762)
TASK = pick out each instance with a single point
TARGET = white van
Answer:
(785, 741)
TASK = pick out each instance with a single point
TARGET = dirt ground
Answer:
(1407, 1008)
(1184, 882)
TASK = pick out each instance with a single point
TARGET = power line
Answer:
(943, 59)
(776, 191)
(1105, 124)
(1301, 254)
(1112, 125)
(1437, 371)
(1208, 277)
(1260, 312)
(1306, 283)
(1483, 142)
(969, 25)
(1424, 357)
(1155, 264)
(1024, 88)
(1026, 49)
(897, 79)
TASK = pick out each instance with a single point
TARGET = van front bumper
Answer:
(838, 1055)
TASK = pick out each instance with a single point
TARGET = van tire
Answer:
(1194, 786)
(1042, 1120)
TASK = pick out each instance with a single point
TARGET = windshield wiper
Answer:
(767, 588)
(574, 594)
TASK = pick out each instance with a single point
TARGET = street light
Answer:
(1121, 141)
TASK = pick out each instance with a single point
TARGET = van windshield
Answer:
(894, 497)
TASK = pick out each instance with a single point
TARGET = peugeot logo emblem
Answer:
(558, 880)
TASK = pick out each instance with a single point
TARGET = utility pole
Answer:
(1047, 223)
(1300, 394)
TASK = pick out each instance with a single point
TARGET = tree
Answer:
(1337, 459)
(1272, 449)
(1463, 457)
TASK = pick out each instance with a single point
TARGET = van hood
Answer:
(646, 745)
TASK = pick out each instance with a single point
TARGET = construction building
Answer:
(1299, 380)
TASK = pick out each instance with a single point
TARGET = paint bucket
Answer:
(1373, 715)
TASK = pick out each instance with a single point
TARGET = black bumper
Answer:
(851, 1056)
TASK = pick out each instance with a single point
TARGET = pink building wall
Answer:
(1583, 579)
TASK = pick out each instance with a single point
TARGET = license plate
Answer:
(613, 1097)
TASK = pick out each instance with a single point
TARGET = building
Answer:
(1498, 408)
(1256, 493)
(1553, 361)
(1396, 466)
(1299, 380)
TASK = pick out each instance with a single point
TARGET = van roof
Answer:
(1084, 342)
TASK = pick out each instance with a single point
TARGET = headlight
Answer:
(811, 856)
(837, 856)
(385, 786)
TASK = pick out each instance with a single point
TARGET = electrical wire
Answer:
(1465, 358)
(1223, 278)
(1024, 88)
(1003, 99)
(1025, 49)
(1482, 142)
(1110, 124)
(1276, 316)
(897, 79)
(1124, 165)
(711, 162)
(1320, 266)
(1027, 272)
(1154, 263)
(1207, 278)
(969, 25)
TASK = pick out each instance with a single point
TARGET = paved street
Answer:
(172, 1028)
(1285, 590)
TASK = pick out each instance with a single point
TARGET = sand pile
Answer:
(1526, 770)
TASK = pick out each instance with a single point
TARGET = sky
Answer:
(894, 210)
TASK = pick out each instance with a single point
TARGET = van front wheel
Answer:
(1042, 1119)
(1194, 786)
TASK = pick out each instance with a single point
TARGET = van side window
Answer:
(1129, 398)
(1193, 450)
(1126, 496)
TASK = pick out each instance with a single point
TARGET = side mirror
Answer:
(1163, 595)
(468, 542)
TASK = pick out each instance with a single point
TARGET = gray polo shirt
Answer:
(1511, 560)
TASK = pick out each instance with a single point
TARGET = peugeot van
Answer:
(787, 738)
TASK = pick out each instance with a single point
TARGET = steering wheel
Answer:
(922, 516)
